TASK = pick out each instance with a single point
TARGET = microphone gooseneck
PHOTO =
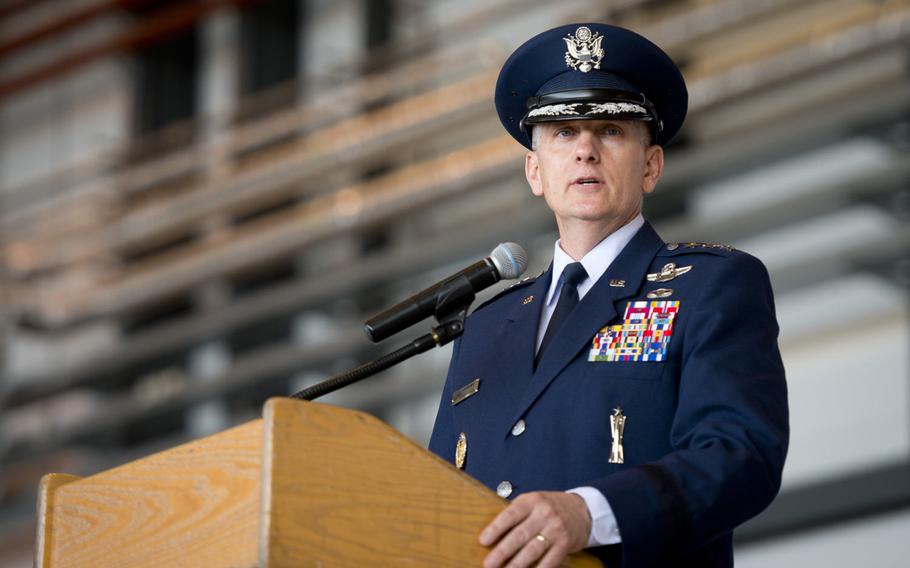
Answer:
(508, 260)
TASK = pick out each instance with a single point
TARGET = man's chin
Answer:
(594, 215)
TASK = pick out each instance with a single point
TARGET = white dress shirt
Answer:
(596, 262)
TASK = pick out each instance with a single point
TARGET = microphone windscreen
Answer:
(510, 260)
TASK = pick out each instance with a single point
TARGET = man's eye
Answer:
(612, 131)
(564, 132)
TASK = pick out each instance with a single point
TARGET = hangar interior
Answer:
(201, 202)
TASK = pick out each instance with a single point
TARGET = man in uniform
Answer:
(631, 399)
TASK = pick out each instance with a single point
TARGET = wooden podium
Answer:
(307, 485)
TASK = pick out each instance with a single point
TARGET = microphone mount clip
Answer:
(452, 305)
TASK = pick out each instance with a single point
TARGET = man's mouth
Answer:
(586, 181)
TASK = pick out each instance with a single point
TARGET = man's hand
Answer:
(541, 525)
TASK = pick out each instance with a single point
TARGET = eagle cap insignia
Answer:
(584, 51)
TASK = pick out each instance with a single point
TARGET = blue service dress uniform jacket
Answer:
(706, 428)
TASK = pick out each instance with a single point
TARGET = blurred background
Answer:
(200, 203)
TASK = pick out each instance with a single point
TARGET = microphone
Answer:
(508, 260)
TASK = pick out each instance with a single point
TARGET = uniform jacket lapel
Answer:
(520, 336)
(596, 309)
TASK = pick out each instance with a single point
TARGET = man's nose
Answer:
(586, 148)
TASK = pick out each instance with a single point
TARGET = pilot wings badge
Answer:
(584, 52)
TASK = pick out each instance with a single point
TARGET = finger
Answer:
(552, 558)
(509, 517)
(534, 549)
(511, 543)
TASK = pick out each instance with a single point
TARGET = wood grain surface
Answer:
(339, 488)
(46, 495)
(193, 505)
(345, 489)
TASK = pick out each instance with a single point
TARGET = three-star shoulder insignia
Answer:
(520, 282)
(692, 245)
(517, 285)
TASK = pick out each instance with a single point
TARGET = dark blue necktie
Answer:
(572, 275)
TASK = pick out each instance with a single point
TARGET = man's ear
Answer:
(654, 168)
(532, 173)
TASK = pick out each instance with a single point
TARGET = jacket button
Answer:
(504, 489)
(519, 428)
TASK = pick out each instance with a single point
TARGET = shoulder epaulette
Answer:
(520, 284)
(672, 249)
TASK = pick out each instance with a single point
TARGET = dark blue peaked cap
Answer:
(590, 71)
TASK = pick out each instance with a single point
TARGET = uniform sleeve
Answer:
(442, 440)
(730, 431)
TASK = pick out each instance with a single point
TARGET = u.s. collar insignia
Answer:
(584, 51)
(668, 272)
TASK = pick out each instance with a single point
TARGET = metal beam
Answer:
(842, 500)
